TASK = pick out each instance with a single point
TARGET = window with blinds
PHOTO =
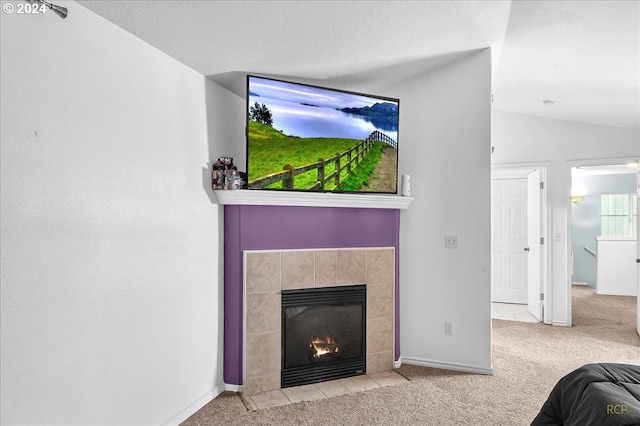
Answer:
(618, 215)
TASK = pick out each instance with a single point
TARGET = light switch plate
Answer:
(448, 328)
(451, 241)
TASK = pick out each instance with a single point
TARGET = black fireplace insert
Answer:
(323, 334)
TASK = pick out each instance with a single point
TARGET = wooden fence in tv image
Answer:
(343, 161)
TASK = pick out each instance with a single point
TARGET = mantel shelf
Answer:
(311, 199)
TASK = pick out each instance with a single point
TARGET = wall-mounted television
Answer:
(309, 138)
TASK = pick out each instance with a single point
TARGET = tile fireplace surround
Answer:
(267, 273)
(286, 247)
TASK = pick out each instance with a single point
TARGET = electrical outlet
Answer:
(451, 241)
(448, 328)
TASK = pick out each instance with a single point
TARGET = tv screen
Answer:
(308, 138)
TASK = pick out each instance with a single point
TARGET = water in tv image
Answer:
(310, 138)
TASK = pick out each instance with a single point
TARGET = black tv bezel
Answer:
(382, 98)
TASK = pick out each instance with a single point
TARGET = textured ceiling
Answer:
(583, 55)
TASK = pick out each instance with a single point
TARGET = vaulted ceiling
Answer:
(584, 56)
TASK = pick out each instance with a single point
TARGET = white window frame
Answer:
(630, 215)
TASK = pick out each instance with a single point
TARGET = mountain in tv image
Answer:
(383, 115)
(315, 139)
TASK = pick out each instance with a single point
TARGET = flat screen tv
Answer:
(309, 138)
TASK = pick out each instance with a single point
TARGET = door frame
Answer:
(523, 170)
(569, 165)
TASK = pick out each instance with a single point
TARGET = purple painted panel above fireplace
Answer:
(252, 227)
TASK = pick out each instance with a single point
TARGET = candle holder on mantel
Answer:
(226, 176)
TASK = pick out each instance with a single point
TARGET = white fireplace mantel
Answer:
(311, 199)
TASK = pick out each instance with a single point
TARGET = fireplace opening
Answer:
(323, 334)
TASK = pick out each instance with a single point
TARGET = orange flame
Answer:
(323, 346)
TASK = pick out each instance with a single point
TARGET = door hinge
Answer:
(542, 240)
(541, 185)
(541, 296)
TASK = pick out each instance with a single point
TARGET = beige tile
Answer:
(332, 388)
(378, 362)
(380, 300)
(298, 269)
(326, 268)
(379, 335)
(248, 402)
(380, 266)
(263, 272)
(510, 308)
(260, 384)
(263, 354)
(388, 378)
(351, 267)
(526, 318)
(303, 393)
(511, 312)
(359, 383)
(505, 317)
(263, 312)
(269, 399)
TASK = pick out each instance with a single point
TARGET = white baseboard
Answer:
(560, 323)
(448, 366)
(578, 283)
(233, 388)
(398, 363)
(195, 406)
(614, 293)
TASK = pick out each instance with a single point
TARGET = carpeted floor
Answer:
(528, 360)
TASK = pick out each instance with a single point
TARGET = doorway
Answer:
(593, 183)
(518, 254)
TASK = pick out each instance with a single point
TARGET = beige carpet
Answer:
(528, 360)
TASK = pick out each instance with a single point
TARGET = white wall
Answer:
(521, 139)
(110, 299)
(445, 137)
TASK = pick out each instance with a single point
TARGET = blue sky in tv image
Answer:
(307, 111)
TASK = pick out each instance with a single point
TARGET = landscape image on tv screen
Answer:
(308, 138)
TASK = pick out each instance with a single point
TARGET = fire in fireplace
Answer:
(323, 347)
(323, 334)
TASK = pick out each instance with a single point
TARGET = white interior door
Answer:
(534, 246)
(509, 235)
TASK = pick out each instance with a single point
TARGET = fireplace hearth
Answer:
(323, 334)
